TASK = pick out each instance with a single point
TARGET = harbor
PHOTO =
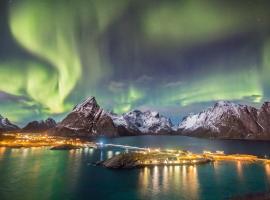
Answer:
(131, 156)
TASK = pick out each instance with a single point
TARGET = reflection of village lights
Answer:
(267, 171)
(215, 164)
(25, 152)
(239, 169)
(165, 179)
(2, 150)
(184, 171)
(239, 164)
(155, 179)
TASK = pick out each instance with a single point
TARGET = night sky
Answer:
(172, 56)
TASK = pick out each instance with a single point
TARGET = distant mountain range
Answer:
(31, 127)
(225, 120)
(39, 126)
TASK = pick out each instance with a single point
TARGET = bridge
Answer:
(101, 145)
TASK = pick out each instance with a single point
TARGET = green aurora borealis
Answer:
(169, 55)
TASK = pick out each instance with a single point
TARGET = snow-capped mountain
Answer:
(138, 122)
(229, 120)
(39, 126)
(6, 125)
(88, 119)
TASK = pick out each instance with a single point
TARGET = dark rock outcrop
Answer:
(124, 161)
(39, 126)
(7, 126)
(227, 120)
(65, 147)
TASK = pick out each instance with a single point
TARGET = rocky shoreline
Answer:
(65, 147)
(138, 160)
(157, 157)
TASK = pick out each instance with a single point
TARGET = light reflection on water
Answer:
(165, 178)
(33, 167)
(38, 173)
(2, 151)
(267, 171)
(185, 182)
(239, 168)
(173, 178)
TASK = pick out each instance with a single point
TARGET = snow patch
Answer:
(145, 122)
(209, 118)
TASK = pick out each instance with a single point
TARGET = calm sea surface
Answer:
(42, 174)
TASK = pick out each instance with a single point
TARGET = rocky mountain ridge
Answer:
(39, 126)
(88, 119)
(229, 121)
(147, 122)
(6, 125)
(225, 120)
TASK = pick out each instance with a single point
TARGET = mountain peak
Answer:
(266, 104)
(6, 125)
(89, 119)
(143, 122)
(229, 120)
(89, 102)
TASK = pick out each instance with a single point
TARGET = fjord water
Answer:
(39, 173)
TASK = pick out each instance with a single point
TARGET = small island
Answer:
(157, 157)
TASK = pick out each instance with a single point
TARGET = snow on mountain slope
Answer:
(229, 120)
(212, 116)
(144, 122)
(89, 119)
(6, 125)
(86, 119)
